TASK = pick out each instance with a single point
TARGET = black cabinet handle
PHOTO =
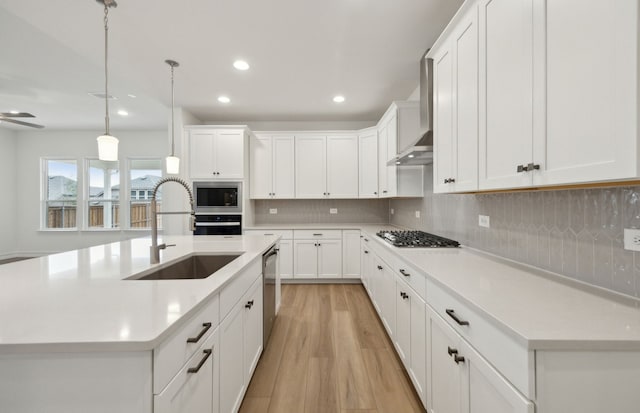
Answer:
(458, 359)
(452, 351)
(404, 295)
(207, 353)
(366, 240)
(403, 272)
(202, 332)
(249, 304)
(379, 267)
(375, 193)
(384, 192)
(453, 315)
(366, 252)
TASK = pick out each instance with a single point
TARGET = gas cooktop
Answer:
(416, 239)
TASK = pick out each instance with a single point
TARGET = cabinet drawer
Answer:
(411, 276)
(172, 353)
(284, 233)
(191, 391)
(233, 291)
(514, 361)
(317, 234)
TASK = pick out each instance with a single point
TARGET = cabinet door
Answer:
(443, 107)
(364, 258)
(368, 164)
(252, 305)
(383, 189)
(311, 162)
(330, 258)
(465, 150)
(261, 158)
(402, 339)
(342, 166)
(444, 395)
(591, 92)
(351, 254)
(305, 259)
(283, 167)
(506, 90)
(229, 154)
(201, 160)
(286, 258)
(418, 365)
(392, 136)
(232, 382)
(376, 280)
(386, 289)
(194, 391)
(485, 390)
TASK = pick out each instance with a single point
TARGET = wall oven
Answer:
(213, 224)
(218, 197)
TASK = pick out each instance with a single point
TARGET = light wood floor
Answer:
(329, 352)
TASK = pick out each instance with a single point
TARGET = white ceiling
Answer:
(301, 52)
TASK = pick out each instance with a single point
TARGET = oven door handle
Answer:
(217, 224)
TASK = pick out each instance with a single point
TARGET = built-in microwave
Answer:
(218, 197)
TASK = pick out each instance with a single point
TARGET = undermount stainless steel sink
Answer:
(190, 268)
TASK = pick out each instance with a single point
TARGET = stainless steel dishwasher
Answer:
(269, 273)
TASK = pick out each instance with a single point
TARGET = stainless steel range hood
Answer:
(421, 151)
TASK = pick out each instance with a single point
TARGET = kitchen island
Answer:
(77, 335)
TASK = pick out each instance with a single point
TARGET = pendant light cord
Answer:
(172, 116)
(106, 73)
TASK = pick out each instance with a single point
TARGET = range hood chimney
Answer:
(421, 151)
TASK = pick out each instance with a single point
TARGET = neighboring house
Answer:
(141, 189)
(62, 188)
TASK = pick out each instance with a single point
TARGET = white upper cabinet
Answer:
(383, 188)
(506, 87)
(326, 166)
(591, 69)
(272, 167)
(216, 154)
(368, 163)
(311, 166)
(342, 166)
(455, 94)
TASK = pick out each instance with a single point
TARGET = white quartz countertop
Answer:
(78, 300)
(319, 226)
(537, 309)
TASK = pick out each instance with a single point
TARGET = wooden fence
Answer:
(65, 216)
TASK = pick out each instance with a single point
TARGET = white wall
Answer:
(7, 203)
(415, 95)
(31, 146)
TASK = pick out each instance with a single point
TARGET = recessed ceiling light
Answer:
(241, 65)
(338, 99)
(14, 112)
(411, 156)
(397, 162)
(223, 99)
(132, 96)
(123, 112)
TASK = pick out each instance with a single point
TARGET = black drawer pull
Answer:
(366, 252)
(403, 272)
(317, 235)
(197, 338)
(453, 315)
(379, 267)
(207, 352)
(458, 359)
(452, 351)
(249, 304)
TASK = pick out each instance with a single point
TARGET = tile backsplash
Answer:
(314, 211)
(577, 233)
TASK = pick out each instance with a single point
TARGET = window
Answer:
(103, 193)
(144, 174)
(60, 193)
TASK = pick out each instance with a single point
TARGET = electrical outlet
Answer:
(484, 221)
(392, 211)
(333, 210)
(273, 211)
(632, 239)
(417, 214)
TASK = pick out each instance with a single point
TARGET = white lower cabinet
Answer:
(240, 347)
(196, 386)
(286, 258)
(351, 265)
(385, 287)
(443, 372)
(317, 254)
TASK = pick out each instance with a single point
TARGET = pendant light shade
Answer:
(107, 148)
(107, 144)
(173, 162)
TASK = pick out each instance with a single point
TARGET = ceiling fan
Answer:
(9, 117)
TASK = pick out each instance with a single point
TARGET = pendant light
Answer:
(107, 144)
(173, 162)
